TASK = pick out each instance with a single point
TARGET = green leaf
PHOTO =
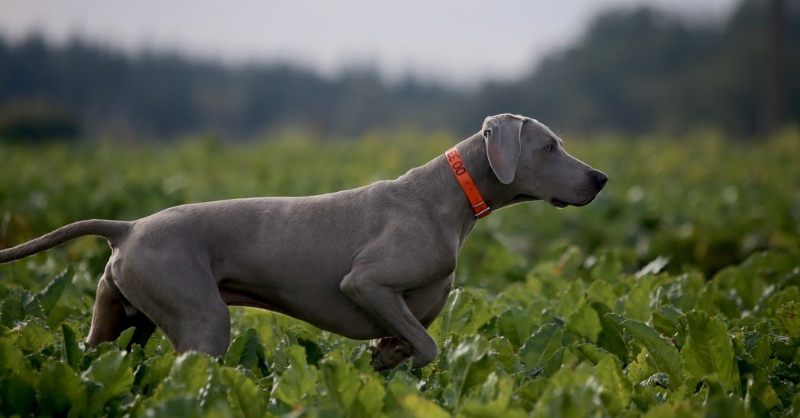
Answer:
(683, 290)
(682, 409)
(503, 352)
(158, 344)
(481, 313)
(341, 382)
(789, 318)
(124, 338)
(59, 314)
(17, 307)
(668, 320)
(192, 374)
(32, 335)
(571, 299)
(518, 295)
(553, 364)
(761, 397)
(113, 372)
(573, 376)
(60, 390)
(610, 338)
(12, 360)
(297, 380)
(541, 345)
(314, 352)
(617, 390)
(49, 296)
(456, 317)
(637, 302)
(665, 356)
(572, 393)
(399, 384)
(768, 305)
(243, 394)
(153, 372)
(603, 292)
(17, 396)
(714, 301)
(418, 407)
(709, 350)
(641, 368)
(516, 325)
(191, 370)
(532, 390)
(744, 280)
(493, 400)
(585, 322)
(186, 405)
(243, 350)
(71, 352)
(719, 404)
(761, 350)
(590, 352)
(469, 364)
(370, 399)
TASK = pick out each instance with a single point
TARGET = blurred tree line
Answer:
(642, 71)
(634, 71)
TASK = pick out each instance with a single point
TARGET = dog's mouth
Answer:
(553, 201)
(562, 204)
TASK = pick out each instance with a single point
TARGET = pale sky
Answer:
(457, 42)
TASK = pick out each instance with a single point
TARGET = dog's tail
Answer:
(113, 231)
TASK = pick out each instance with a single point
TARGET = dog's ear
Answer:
(502, 134)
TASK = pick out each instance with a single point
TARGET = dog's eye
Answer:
(548, 147)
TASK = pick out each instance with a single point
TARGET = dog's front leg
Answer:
(387, 306)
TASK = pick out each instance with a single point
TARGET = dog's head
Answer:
(528, 157)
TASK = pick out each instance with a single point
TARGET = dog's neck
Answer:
(437, 187)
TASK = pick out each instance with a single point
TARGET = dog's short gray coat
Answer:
(376, 262)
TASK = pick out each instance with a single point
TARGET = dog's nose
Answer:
(600, 177)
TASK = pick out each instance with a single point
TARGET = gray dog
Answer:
(375, 262)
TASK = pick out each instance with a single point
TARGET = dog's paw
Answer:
(388, 352)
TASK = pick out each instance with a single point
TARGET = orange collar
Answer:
(467, 185)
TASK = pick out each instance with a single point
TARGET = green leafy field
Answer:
(676, 293)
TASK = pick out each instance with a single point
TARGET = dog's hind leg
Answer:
(109, 318)
(203, 327)
(113, 315)
(181, 297)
